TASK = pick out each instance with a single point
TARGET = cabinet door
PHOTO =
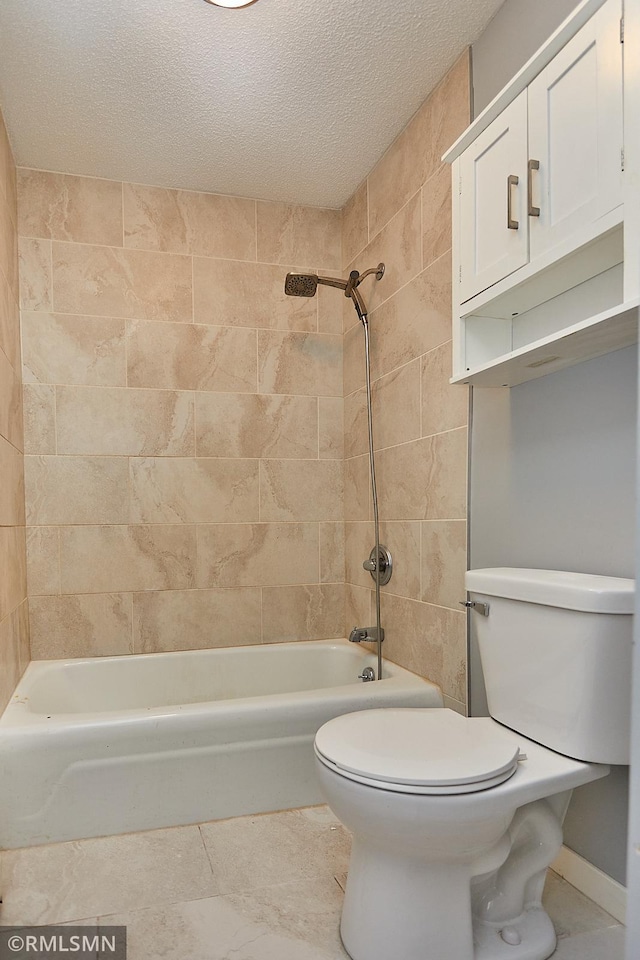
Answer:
(576, 135)
(493, 210)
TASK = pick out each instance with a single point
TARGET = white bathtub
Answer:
(115, 744)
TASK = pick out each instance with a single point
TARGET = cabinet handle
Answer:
(512, 181)
(532, 165)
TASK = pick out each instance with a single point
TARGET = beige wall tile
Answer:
(444, 405)
(359, 540)
(257, 554)
(399, 247)
(331, 428)
(14, 651)
(11, 485)
(355, 231)
(65, 490)
(180, 356)
(7, 171)
(299, 363)
(119, 558)
(96, 625)
(240, 425)
(55, 206)
(182, 221)
(444, 562)
(13, 582)
(396, 406)
(312, 612)
(39, 418)
(58, 348)
(356, 488)
(8, 248)
(329, 301)
(111, 282)
(359, 609)
(301, 490)
(402, 538)
(332, 552)
(428, 640)
(425, 479)
(229, 292)
(114, 422)
(172, 490)
(354, 359)
(9, 324)
(415, 320)
(356, 436)
(415, 154)
(43, 560)
(11, 426)
(35, 274)
(294, 234)
(436, 215)
(196, 619)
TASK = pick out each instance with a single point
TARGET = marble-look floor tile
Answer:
(85, 878)
(248, 853)
(607, 944)
(296, 921)
(571, 912)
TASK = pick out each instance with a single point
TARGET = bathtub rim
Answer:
(18, 717)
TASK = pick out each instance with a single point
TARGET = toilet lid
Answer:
(429, 750)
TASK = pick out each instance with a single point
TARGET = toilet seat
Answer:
(418, 750)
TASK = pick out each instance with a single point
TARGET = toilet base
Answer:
(534, 930)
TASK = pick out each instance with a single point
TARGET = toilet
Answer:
(455, 820)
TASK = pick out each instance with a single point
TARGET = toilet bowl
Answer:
(455, 820)
(424, 835)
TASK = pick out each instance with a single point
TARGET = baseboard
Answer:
(598, 886)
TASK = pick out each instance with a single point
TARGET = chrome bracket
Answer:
(481, 608)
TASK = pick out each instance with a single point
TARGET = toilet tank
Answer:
(556, 655)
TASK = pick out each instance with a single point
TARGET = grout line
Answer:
(159, 186)
(279, 331)
(246, 261)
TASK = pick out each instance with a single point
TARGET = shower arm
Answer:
(350, 288)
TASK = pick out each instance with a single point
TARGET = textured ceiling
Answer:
(284, 100)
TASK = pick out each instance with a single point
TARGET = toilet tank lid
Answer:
(555, 588)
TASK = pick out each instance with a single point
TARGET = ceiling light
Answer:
(231, 3)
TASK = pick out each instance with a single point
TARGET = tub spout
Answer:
(365, 635)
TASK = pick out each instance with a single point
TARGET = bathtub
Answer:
(117, 744)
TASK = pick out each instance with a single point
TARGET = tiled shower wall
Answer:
(401, 215)
(183, 419)
(14, 621)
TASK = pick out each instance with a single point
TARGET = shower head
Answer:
(301, 285)
(306, 285)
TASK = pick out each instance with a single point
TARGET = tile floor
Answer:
(252, 888)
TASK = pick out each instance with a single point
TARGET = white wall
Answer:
(553, 461)
(553, 486)
(515, 33)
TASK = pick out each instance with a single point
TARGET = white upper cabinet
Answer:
(549, 166)
(493, 229)
(576, 134)
(546, 207)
